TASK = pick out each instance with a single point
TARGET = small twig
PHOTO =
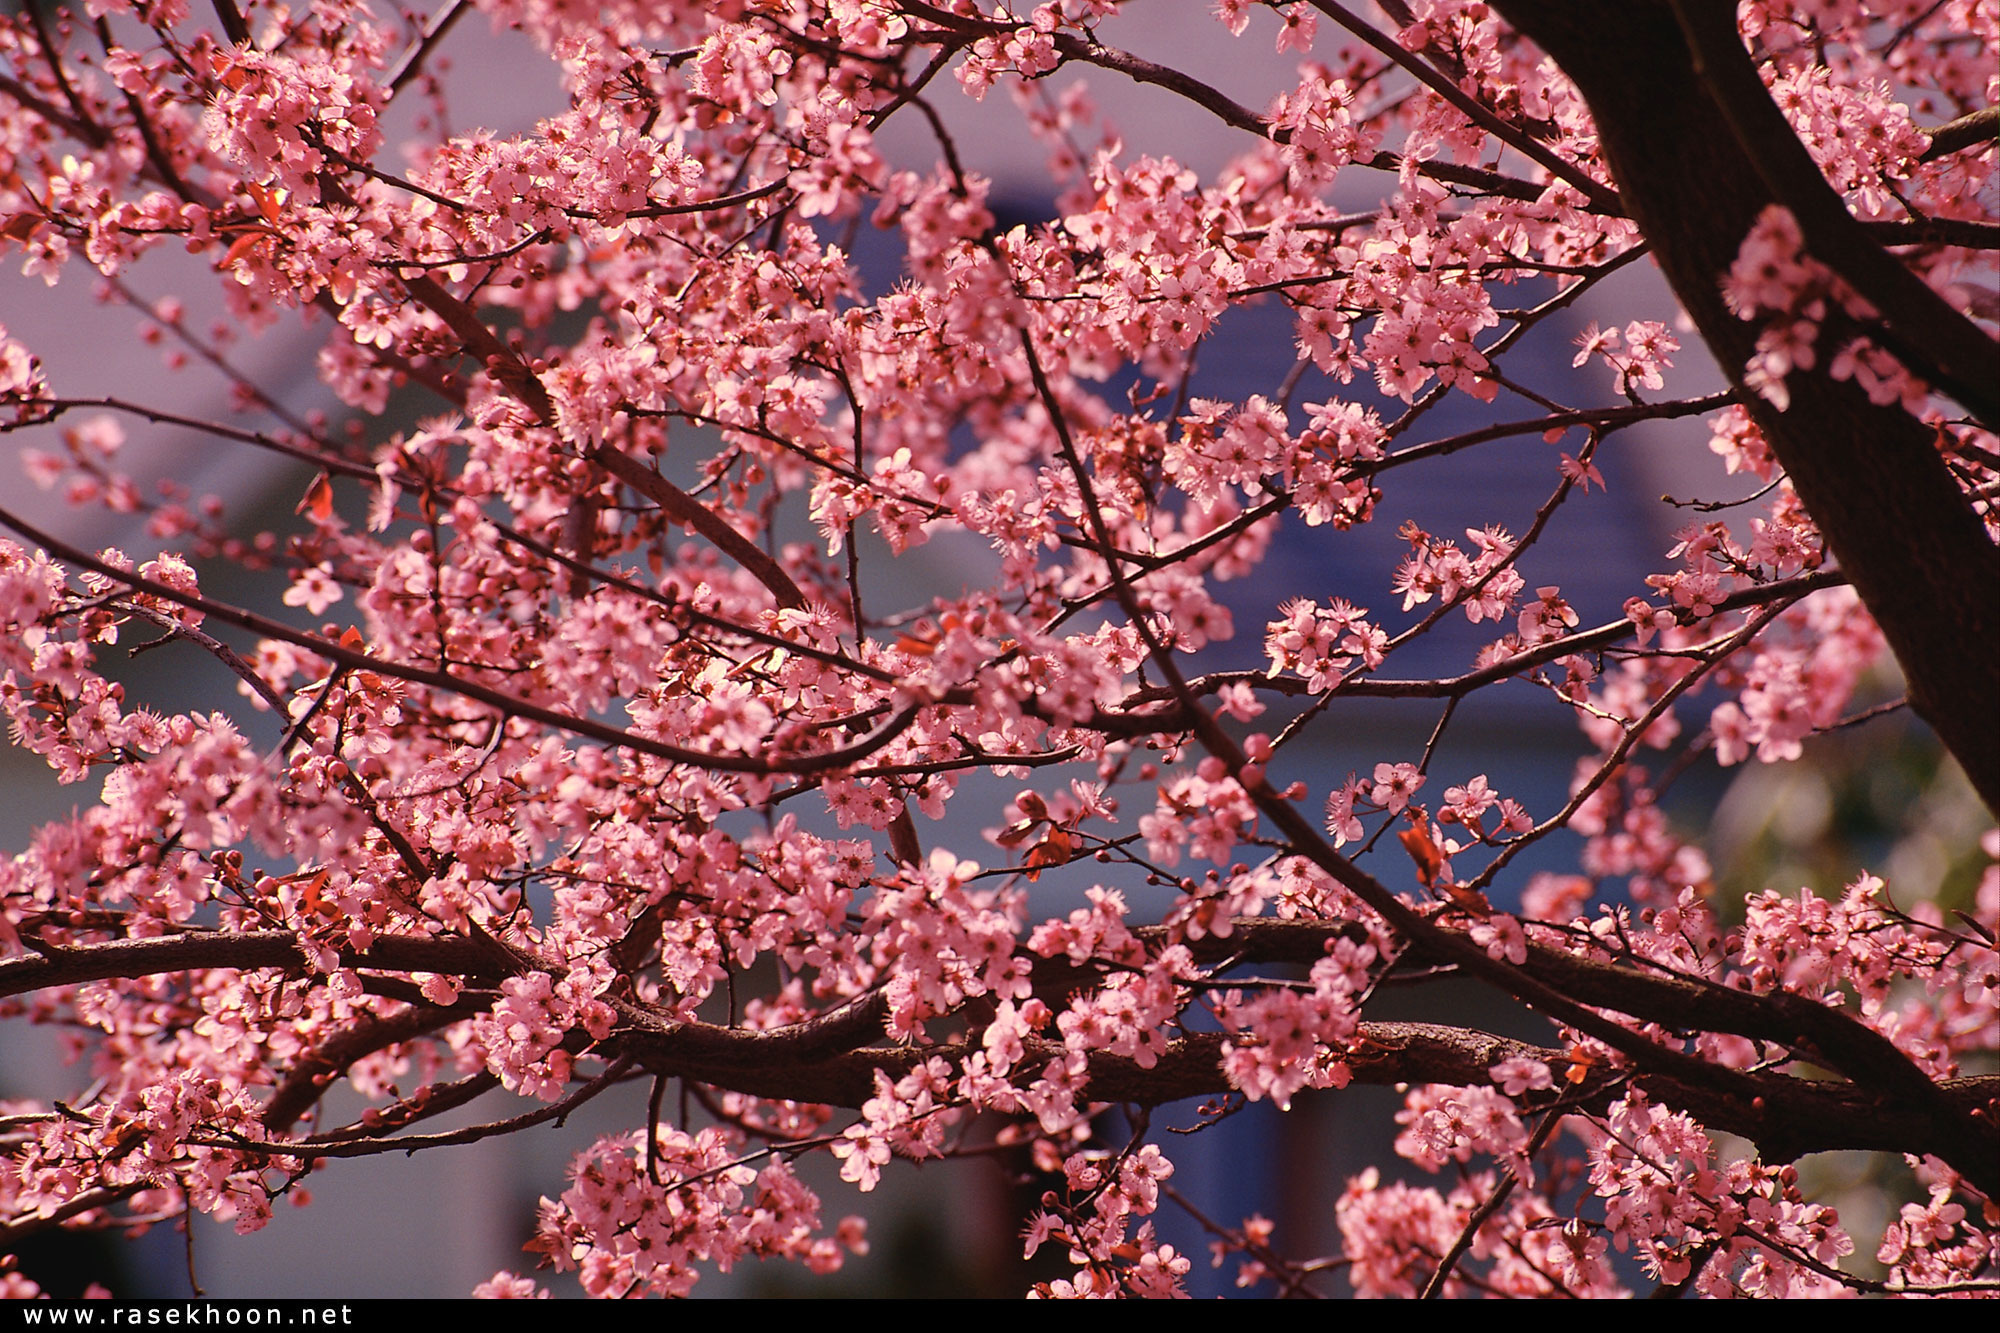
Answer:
(1435, 1287)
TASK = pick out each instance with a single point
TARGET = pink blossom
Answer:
(1394, 785)
(721, 569)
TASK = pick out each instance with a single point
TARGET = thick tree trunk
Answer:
(1695, 162)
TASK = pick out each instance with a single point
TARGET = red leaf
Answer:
(1416, 840)
(318, 501)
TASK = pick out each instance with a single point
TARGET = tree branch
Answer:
(1974, 129)
(1870, 476)
(690, 512)
(1599, 199)
(818, 761)
(1922, 328)
(70, 965)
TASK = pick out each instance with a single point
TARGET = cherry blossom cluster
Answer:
(1691, 1215)
(1775, 280)
(638, 1222)
(1104, 1197)
(613, 727)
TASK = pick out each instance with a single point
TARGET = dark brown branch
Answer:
(245, 951)
(832, 1059)
(1676, 1002)
(690, 512)
(142, 116)
(840, 1030)
(310, 1076)
(816, 762)
(216, 648)
(1962, 1140)
(309, 1149)
(1974, 129)
(84, 131)
(324, 459)
(1597, 196)
(1224, 108)
(436, 1100)
(33, 9)
(1509, 1179)
(13, 1233)
(1592, 640)
(1787, 1117)
(1828, 1036)
(1935, 340)
(1870, 475)
(1093, 52)
(233, 25)
(1606, 419)
(413, 59)
(501, 363)
(715, 205)
(1966, 232)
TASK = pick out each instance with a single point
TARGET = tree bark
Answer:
(1694, 159)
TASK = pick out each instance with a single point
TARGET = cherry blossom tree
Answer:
(585, 752)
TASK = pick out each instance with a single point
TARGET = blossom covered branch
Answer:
(546, 798)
